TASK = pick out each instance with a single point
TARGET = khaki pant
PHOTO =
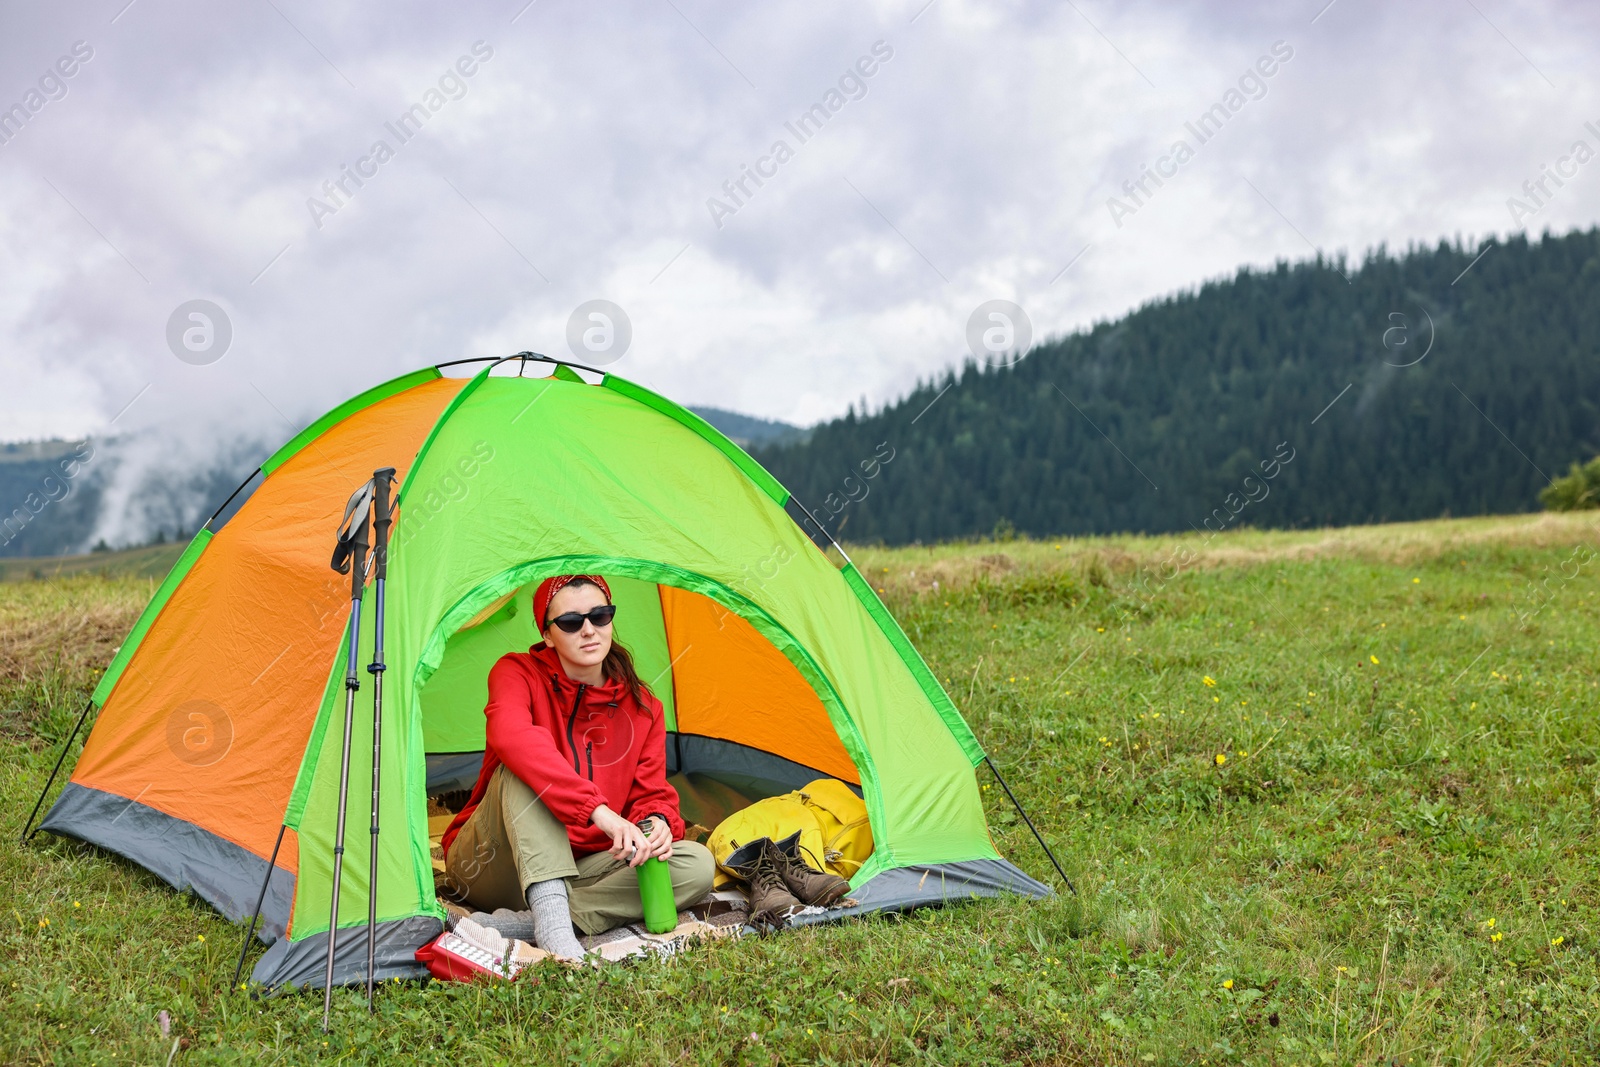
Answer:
(512, 840)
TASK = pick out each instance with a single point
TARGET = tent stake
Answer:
(260, 899)
(27, 829)
(1036, 834)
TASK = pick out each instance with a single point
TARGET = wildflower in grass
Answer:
(1209, 681)
(75, 904)
(1221, 759)
(1496, 936)
(1416, 581)
(1556, 941)
(1487, 924)
(1374, 660)
(1228, 984)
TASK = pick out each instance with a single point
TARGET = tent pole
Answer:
(349, 554)
(28, 830)
(1037, 835)
(223, 506)
(382, 479)
(831, 539)
(260, 899)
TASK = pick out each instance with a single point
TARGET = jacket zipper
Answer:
(572, 719)
(588, 752)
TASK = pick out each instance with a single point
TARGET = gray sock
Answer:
(552, 920)
(517, 925)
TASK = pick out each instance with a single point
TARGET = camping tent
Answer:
(214, 761)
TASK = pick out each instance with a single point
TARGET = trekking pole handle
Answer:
(350, 550)
(383, 519)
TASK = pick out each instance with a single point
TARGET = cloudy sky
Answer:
(195, 153)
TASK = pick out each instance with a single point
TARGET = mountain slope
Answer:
(1156, 421)
(747, 430)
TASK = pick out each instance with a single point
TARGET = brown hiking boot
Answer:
(761, 865)
(809, 885)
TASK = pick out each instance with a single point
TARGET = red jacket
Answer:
(577, 746)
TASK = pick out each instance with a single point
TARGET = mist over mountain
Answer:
(61, 497)
(1454, 380)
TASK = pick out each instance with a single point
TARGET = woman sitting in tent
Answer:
(573, 794)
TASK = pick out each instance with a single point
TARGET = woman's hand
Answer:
(660, 838)
(628, 842)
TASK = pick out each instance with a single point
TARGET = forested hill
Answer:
(1156, 421)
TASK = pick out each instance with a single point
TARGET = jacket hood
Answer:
(548, 662)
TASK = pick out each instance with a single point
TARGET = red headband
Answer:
(551, 586)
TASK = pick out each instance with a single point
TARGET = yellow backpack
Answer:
(835, 834)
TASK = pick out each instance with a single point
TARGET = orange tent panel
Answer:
(209, 721)
(731, 683)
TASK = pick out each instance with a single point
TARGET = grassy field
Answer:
(147, 561)
(1328, 797)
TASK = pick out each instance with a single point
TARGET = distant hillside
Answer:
(1275, 398)
(748, 431)
(49, 496)
(150, 561)
(61, 497)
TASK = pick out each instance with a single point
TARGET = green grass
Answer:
(147, 561)
(1394, 862)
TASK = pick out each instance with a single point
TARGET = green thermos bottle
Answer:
(655, 893)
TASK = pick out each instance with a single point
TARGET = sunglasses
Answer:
(572, 621)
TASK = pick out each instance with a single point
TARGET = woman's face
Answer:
(587, 647)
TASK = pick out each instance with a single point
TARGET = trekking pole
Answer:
(382, 518)
(349, 556)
